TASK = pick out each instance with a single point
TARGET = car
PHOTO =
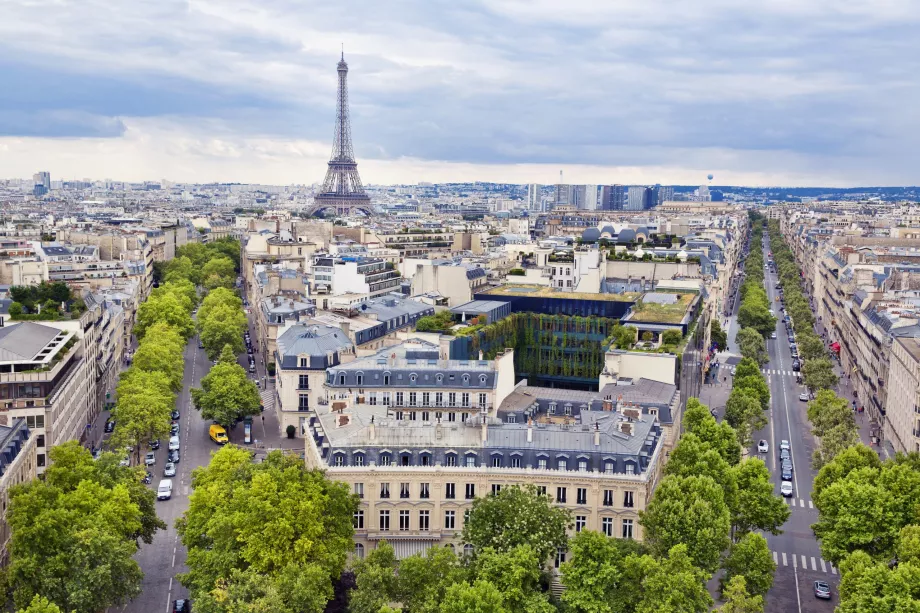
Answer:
(182, 606)
(125, 461)
(785, 454)
(174, 414)
(786, 465)
(174, 443)
(252, 367)
(174, 429)
(783, 444)
(773, 335)
(803, 396)
(154, 444)
(169, 470)
(109, 426)
(778, 286)
(148, 478)
(822, 590)
(150, 459)
(772, 313)
(763, 446)
(173, 456)
(796, 365)
(249, 350)
(785, 489)
(164, 489)
(786, 474)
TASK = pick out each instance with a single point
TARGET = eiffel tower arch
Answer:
(342, 190)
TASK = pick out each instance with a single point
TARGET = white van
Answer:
(164, 489)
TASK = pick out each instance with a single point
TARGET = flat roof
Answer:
(544, 291)
(478, 306)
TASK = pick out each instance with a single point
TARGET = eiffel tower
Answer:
(342, 189)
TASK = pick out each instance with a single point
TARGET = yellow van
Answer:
(218, 434)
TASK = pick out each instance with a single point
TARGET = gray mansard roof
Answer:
(313, 340)
(352, 435)
(413, 364)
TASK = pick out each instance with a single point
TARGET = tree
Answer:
(218, 272)
(15, 310)
(217, 297)
(694, 458)
(517, 516)
(745, 414)
(757, 386)
(737, 599)
(624, 336)
(423, 579)
(675, 584)
(183, 289)
(145, 401)
(601, 574)
(750, 558)
(756, 315)
(756, 506)
(833, 425)
(517, 575)
(179, 269)
(810, 346)
(690, 511)
(276, 523)
(720, 436)
(671, 337)
(747, 367)
(718, 335)
(40, 604)
(480, 597)
(869, 585)
(226, 395)
(376, 583)
(74, 535)
(819, 374)
(162, 352)
(164, 308)
(752, 345)
(850, 459)
(223, 326)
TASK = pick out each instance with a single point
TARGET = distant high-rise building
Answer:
(636, 198)
(703, 193)
(535, 197)
(42, 178)
(590, 197)
(612, 198)
(665, 194)
(651, 196)
(563, 194)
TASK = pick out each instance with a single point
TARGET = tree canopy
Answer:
(226, 395)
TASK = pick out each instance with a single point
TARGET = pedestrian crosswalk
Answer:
(268, 398)
(787, 373)
(799, 502)
(802, 562)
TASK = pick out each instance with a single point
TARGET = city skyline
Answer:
(798, 95)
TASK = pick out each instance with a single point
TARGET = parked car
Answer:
(803, 396)
(796, 366)
(109, 426)
(154, 444)
(822, 590)
(785, 454)
(150, 459)
(773, 334)
(783, 444)
(164, 489)
(786, 473)
(173, 456)
(169, 470)
(763, 446)
(174, 414)
(785, 489)
(174, 443)
(182, 606)
(174, 429)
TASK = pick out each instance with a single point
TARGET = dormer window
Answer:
(413, 377)
(466, 379)
(305, 362)
(439, 378)
(386, 378)
(341, 378)
(359, 378)
(482, 379)
(552, 408)
(568, 409)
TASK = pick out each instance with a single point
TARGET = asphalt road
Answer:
(796, 551)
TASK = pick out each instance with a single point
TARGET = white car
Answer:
(174, 443)
(783, 444)
(785, 489)
(773, 335)
(169, 470)
(803, 397)
(763, 447)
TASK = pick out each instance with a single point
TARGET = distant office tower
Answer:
(703, 193)
(651, 196)
(563, 194)
(590, 197)
(42, 178)
(665, 194)
(612, 198)
(636, 198)
(534, 196)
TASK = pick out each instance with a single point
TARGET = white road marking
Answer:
(833, 570)
(810, 505)
(823, 566)
(794, 563)
(804, 563)
(775, 558)
(813, 566)
(801, 503)
(785, 563)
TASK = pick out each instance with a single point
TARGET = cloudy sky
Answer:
(777, 92)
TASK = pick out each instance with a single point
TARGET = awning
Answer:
(836, 347)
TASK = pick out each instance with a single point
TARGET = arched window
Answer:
(466, 379)
(341, 378)
(359, 378)
(386, 378)
(482, 379)
(439, 378)
(359, 551)
(413, 377)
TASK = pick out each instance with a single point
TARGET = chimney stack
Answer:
(484, 425)
(597, 435)
(373, 430)
(529, 429)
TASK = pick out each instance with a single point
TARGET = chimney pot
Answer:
(529, 430)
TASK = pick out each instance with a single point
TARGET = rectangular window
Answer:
(471, 461)
(303, 402)
(608, 498)
(563, 465)
(482, 400)
(438, 399)
(580, 522)
(412, 399)
(630, 469)
(515, 461)
(512, 418)
(424, 520)
(607, 526)
(426, 416)
(384, 521)
(413, 415)
(339, 460)
(541, 490)
(359, 460)
(470, 491)
(359, 520)
(560, 557)
(450, 490)
(303, 382)
(384, 490)
(450, 460)
(496, 461)
(426, 399)
(403, 520)
(372, 398)
(403, 490)
(40, 440)
(386, 399)
(583, 466)
(399, 399)
(304, 363)
(560, 494)
(424, 490)
(496, 488)
(359, 490)
(40, 460)
(628, 499)
(451, 399)
(451, 416)
(541, 463)
(450, 520)
(400, 416)
(465, 399)
(627, 528)
(581, 495)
